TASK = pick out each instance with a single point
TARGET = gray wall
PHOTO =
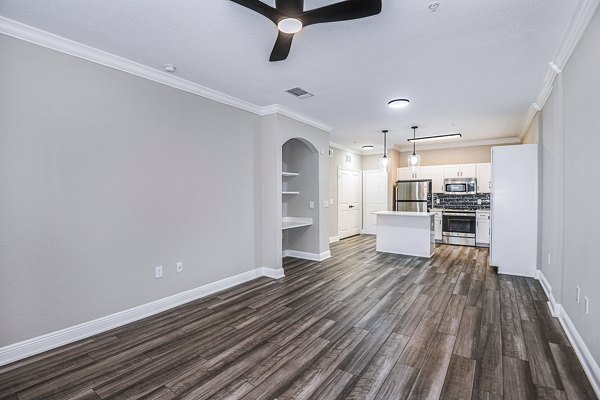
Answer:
(573, 109)
(105, 175)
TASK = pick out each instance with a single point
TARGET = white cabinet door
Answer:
(484, 178)
(482, 232)
(437, 179)
(468, 170)
(405, 174)
(452, 171)
(438, 227)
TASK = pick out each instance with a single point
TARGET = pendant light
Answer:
(414, 160)
(384, 163)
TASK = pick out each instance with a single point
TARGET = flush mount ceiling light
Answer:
(367, 147)
(414, 160)
(290, 25)
(398, 103)
(436, 137)
(169, 68)
(384, 163)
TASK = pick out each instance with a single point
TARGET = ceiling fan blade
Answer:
(291, 8)
(342, 11)
(261, 8)
(282, 46)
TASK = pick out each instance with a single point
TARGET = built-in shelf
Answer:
(284, 173)
(295, 222)
(290, 192)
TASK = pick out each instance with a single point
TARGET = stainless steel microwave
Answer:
(460, 185)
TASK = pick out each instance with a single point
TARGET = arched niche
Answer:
(300, 197)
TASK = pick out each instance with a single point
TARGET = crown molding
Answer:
(61, 44)
(282, 110)
(456, 145)
(579, 21)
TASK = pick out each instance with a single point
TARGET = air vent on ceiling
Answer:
(299, 93)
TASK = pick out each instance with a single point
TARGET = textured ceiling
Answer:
(471, 67)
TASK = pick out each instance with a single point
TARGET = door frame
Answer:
(360, 192)
(364, 196)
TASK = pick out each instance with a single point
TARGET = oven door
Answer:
(459, 224)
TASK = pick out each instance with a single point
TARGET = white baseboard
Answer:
(334, 239)
(36, 345)
(584, 355)
(307, 256)
(272, 272)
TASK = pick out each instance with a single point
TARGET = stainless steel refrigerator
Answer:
(411, 195)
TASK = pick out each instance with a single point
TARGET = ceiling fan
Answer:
(290, 17)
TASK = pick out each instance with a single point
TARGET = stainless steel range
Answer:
(459, 227)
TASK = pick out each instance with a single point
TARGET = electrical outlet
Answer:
(548, 258)
(325, 204)
(179, 266)
(330, 201)
(158, 272)
(577, 294)
(311, 204)
(587, 305)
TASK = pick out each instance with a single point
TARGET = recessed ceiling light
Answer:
(169, 68)
(290, 25)
(398, 103)
(367, 147)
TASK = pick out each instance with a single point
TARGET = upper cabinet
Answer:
(437, 174)
(484, 178)
(460, 171)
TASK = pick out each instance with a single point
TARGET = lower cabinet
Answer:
(438, 226)
(483, 229)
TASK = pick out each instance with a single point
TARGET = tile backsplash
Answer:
(461, 201)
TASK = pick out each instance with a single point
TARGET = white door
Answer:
(375, 197)
(468, 171)
(348, 203)
(484, 178)
(405, 174)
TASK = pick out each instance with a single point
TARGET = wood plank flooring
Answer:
(361, 325)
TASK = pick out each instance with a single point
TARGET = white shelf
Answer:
(295, 222)
(284, 173)
(290, 192)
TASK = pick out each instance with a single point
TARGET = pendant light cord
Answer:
(414, 136)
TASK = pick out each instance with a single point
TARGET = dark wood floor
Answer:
(361, 325)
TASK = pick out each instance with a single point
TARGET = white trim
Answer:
(344, 148)
(590, 365)
(579, 22)
(531, 112)
(334, 239)
(271, 272)
(584, 355)
(552, 304)
(282, 110)
(460, 144)
(61, 44)
(36, 345)
(307, 256)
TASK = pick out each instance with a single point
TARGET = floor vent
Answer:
(299, 93)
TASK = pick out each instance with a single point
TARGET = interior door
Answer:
(348, 203)
(375, 198)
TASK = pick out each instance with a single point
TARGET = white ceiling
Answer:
(472, 67)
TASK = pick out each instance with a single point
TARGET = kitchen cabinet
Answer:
(483, 228)
(484, 178)
(434, 172)
(438, 225)
(460, 171)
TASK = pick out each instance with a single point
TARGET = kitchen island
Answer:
(409, 233)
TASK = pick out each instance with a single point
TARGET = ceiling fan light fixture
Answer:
(290, 25)
(398, 103)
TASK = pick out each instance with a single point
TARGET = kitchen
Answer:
(460, 197)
